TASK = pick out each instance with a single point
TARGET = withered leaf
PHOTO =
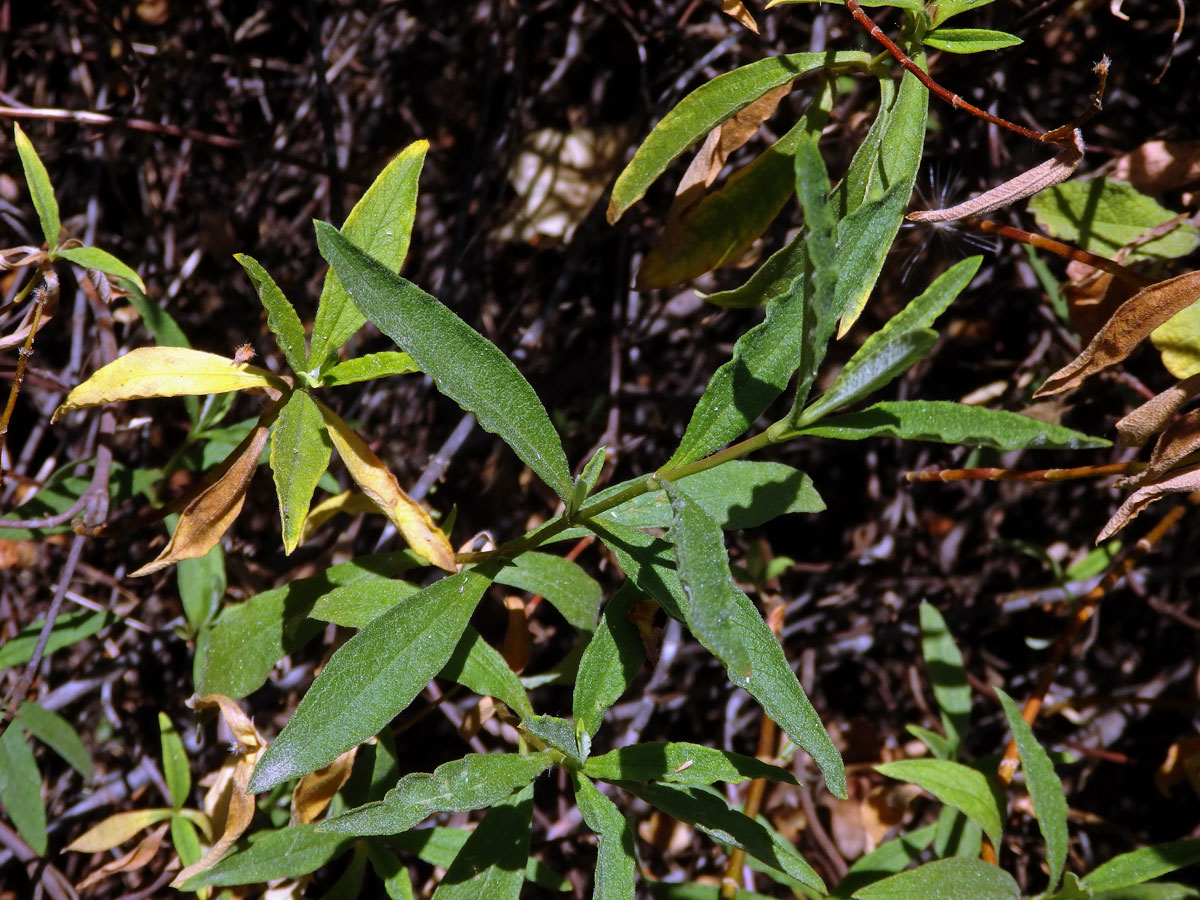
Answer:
(135, 859)
(1130, 325)
(1152, 416)
(117, 829)
(315, 790)
(209, 515)
(1181, 438)
(1177, 481)
(735, 9)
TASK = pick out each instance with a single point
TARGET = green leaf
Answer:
(969, 40)
(479, 667)
(864, 178)
(201, 583)
(864, 374)
(380, 224)
(1141, 865)
(557, 733)
(649, 563)
(1155, 891)
(235, 656)
(586, 482)
(95, 258)
(570, 590)
(1178, 340)
(770, 280)
(945, 879)
(391, 871)
(491, 863)
(186, 840)
(1045, 789)
(610, 662)
(707, 107)
(283, 853)
(616, 854)
(944, 662)
(300, 451)
(737, 494)
(373, 677)
(350, 882)
(67, 630)
(58, 734)
(681, 764)
(941, 747)
(952, 423)
(164, 329)
(175, 763)
(886, 859)
(914, 5)
(464, 365)
(866, 233)
(476, 781)
(1103, 215)
(282, 319)
(947, 8)
(358, 605)
(21, 789)
(962, 787)
(439, 846)
(371, 366)
(707, 812)
(956, 835)
(40, 189)
(691, 890)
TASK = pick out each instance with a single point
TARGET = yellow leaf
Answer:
(167, 372)
(117, 829)
(351, 503)
(381, 486)
(315, 790)
(210, 514)
(735, 9)
(131, 861)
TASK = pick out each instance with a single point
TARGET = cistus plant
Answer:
(664, 529)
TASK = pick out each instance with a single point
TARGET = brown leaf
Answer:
(316, 789)
(735, 9)
(117, 829)
(209, 515)
(1177, 481)
(1158, 166)
(1152, 416)
(131, 861)
(1129, 325)
(517, 646)
(1181, 438)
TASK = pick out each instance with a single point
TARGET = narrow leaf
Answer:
(616, 855)
(570, 590)
(439, 846)
(479, 667)
(557, 733)
(887, 859)
(300, 450)
(1177, 481)
(373, 677)
(175, 762)
(1153, 415)
(944, 662)
(40, 188)
(58, 734)
(380, 224)
(369, 367)
(376, 481)
(948, 8)
(586, 481)
(202, 584)
(951, 423)
(678, 763)
(282, 319)
(962, 787)
(770, 280)
(1045, 789)
(491, 863)
(464, 365)
(95, 258)
(269, 855)
(969, 40)
(166, 372)
(945, 879)
(1143, 865)
(610, 662)
(67, 630)
(21, 789)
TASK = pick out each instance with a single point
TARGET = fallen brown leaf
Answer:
(1152, 416)
(1178, 481)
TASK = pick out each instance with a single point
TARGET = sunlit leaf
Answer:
(282, 319)
(117, 829)
(616, 854)
(95, 258)
(969, 40)
(944, 662)
(491, 863)
(1178, 340)
(1142, 865)
(58, 734)
(962, 787)
(175, 762)
(313, 793)
(283, 853)
(608, 666)
(945, 879)
(40, 189)
(366, 368)
(300, 450)
(680, 763)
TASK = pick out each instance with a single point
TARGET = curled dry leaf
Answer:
(131, 861)
(517, 645)
(381, 486)
(1130, 324)
(1177, 481)
(167, 372)
(117, 829)
(315, 790)
(227, 801)
(1048, 174)
(1180, 439)
(209, 515)
(351, 503)
(1152, 416)
(735, 9)
(1158, 166)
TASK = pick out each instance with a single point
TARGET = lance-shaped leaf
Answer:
(492, 862)
(95, 258)
(616, 853)
(707, 812)
(707, 107)
(40, 189)
(381, 224)
(563, 582)
(21, 788)
(865, 177)
(962, 787)
(289, 852)
(951, 423)
(945, 879)
(944, 662)
(585, 482)
(1177, 481)
(1142, 865)
(475, 781)
(770, 280)
(381, 486)
(464, 365)
(608, 666)
(479, 667)
(373, 677)
(281, 315)
(300, 452)
(969, 40)
(366, 368)
(439, 846)
(680, 763)
(948, 8)
(1045, 789)
(207, 517)
(887, 859)
(166, 372)
(58, 734)
(1133, 321)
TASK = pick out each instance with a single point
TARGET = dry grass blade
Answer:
(1177, 482)
(1152, 416)
(1129, 326)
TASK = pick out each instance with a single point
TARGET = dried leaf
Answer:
(1179, 440)
(166, 372)
(209, 515)
(315, 790)
(735, 9)
(1048, 174)
(1130, 324)
(117, 829)
(351, 503)
(1158, 166)
(516, 646)
(131, 861)
(1150, 418)
(381, 486)
(1175, 482)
